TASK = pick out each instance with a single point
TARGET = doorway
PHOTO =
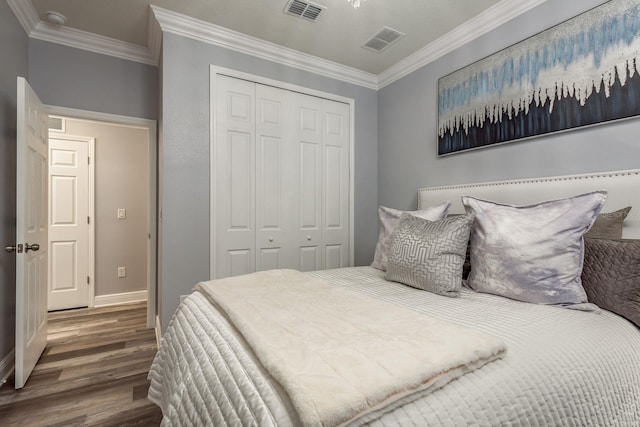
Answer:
(122, 249)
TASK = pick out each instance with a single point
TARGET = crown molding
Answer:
(154, 38)
(26, 14)
(172, 22)
(491, 18)
(196, 29)
(37, 29)
(92, 42)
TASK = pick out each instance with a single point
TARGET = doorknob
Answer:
(12, 248)
(34, 247)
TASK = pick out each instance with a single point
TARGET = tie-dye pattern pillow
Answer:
(531, 253)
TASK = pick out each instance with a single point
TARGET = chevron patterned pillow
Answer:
(389, 219)
(429, 255)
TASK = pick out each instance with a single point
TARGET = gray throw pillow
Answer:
(429, 255)
(609, 225)
(389, 219)
(531, 253)
(611, 276)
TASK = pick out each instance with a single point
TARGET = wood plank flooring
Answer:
(93, 372)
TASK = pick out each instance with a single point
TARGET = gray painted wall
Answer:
(407, 153)
(185, 158)
(13, 51)
(75, 78)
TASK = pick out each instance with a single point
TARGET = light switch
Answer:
(122, 271)
(122, 213)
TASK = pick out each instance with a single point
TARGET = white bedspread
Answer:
(563, 367)
(339, 354)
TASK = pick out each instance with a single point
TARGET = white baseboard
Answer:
(123, 298)
(6, 366)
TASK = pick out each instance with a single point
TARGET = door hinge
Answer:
(88, 220)
(88, 160)
(88, 280)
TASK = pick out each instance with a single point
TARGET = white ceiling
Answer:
(337, 35)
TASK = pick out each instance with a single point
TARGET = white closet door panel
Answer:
(335, 191)
(239, 161)
(333, 218)
(273, 175)
(281, 179)
(306, 183)
(269, 259)
(235, 166)
(271, 225)
(269, 186)
(310, 258)
(334, 256)
(310, 185)
(238, 262)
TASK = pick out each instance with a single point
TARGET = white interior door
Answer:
(68, 223)
(31, 232)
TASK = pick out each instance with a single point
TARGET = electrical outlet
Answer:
(122, 272)
(122, 213)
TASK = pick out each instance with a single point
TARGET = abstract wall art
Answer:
(581, 72)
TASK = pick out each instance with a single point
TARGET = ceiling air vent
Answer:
(383, 39)
(56, 123)
(303, 9)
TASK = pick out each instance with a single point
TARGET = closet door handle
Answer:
(309, 238)
(270, 239)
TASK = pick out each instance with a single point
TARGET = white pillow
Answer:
(389, 218)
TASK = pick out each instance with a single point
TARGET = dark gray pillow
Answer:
(466, 268)
(429, 255)
(608, 225)
(611, 276)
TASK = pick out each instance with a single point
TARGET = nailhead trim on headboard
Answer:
(623, 188)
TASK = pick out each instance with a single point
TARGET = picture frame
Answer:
(581, 72)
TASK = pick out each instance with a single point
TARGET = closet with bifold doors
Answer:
(280, 179)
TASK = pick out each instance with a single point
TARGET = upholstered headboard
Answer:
(623, 188)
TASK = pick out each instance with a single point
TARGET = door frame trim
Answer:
(215, 70)
(91, 149)
(152, 208)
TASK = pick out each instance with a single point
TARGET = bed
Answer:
(560, 366)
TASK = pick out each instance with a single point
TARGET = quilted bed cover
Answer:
(563, 367)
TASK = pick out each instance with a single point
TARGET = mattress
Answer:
(563, 367)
